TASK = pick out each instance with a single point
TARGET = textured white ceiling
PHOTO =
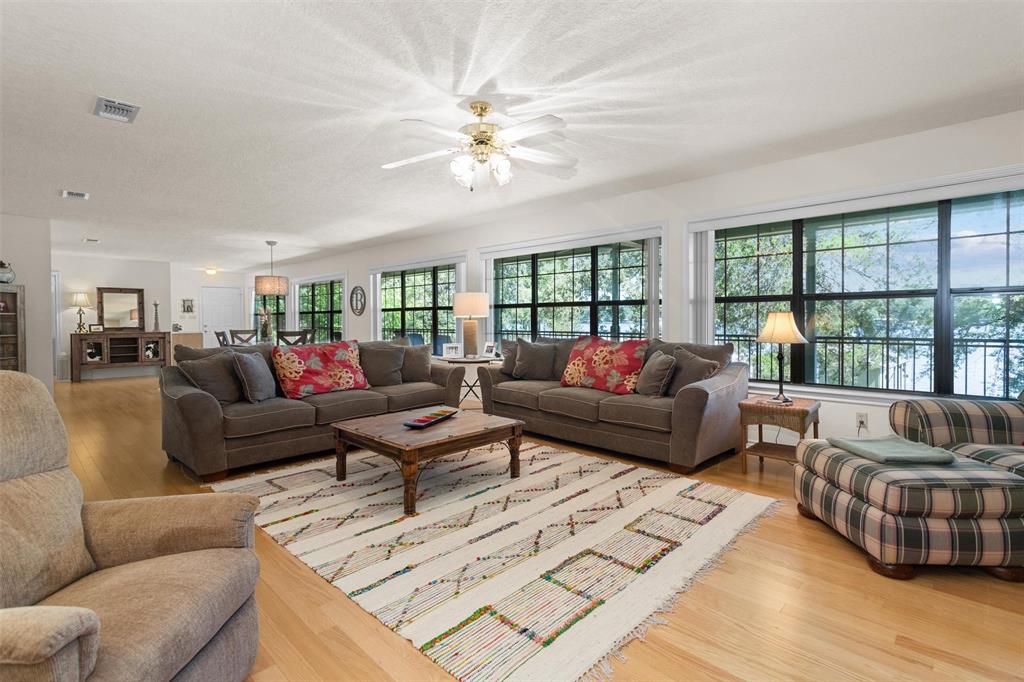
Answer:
(270, 121)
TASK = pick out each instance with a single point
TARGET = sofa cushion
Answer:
(156, 615)
(341, 405)
(722, 354)
(214, 374)
(612, 366)
(1008, 457)
(964, 489)
(276, 414)
(521, 393)
(571, 401)
(640, 411)
(416, 364)
(534, 361)
(255, 376)
(382, 365)
(42, 544)
(509, 351)
(656, 374)
(689, 368)
(412, 395)
(319, 368)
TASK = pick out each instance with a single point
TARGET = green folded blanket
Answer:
(893, 450)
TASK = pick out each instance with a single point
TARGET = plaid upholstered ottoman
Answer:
(968, 513)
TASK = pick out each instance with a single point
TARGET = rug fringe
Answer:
(602, 671)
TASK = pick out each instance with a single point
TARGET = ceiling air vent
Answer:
(77, 196)
(114, 110)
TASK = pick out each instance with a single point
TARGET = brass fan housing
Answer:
(482, 135)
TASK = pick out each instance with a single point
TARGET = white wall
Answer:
(86, 273)
(25, 243)
(988, 143)
(187, 283)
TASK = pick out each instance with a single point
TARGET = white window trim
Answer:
(987, 181)
(643, 231)
(459, 259)
(292, 305)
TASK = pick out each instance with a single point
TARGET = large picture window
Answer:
(923, 298)
(598, 290)
(274, 307)
(322, 310)
(417, 303)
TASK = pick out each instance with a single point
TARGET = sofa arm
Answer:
(450, 377)
(48, 643)
(192, 424)
(941, 421)
(706, 417)
(489, 377)
(125, 531)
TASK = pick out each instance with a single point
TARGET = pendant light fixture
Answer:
(271, 285)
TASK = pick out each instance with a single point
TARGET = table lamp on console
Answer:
(80, 300)
(470, 306)
(781, 328)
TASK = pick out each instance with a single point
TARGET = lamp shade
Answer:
(80, 300)
(471, 304)
(781, 328)
(271, 285)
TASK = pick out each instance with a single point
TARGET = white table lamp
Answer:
(471, 305)
(781, 328)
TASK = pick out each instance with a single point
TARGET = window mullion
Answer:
(799, 361)
(943, 355)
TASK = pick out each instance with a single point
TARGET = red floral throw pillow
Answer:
(318, 368)
(611, 366)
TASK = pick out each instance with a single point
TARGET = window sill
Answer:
(831, 394)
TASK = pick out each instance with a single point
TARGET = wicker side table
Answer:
(796, 416)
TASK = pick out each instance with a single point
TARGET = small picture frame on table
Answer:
(490, 348)
(95, 327)
(451, 350)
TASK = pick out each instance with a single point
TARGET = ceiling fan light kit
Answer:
(485, 150)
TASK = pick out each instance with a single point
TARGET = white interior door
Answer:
(220, 309)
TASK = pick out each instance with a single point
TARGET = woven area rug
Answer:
(540, 577)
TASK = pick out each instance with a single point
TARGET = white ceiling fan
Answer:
(485, 149)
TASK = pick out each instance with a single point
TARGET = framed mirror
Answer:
(121, 309)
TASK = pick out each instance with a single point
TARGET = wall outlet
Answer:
(862, 421)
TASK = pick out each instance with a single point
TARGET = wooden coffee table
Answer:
(385, 434)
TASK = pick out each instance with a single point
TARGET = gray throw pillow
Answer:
(721, 354)
(382, 365)
(257, 380)
(563, 348)
(214, 374)
(666, 347)
(508, 356)
(656, 374)
(416, 364)
(690, 368)
(534, 360)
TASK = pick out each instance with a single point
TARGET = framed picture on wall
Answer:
(451, 350)
(188, 306)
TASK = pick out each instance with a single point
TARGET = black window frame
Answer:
(533, 308)
(943, 345)
(438, 331)
(277, 314)
(335, 286)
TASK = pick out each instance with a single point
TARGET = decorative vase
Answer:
(6, 272)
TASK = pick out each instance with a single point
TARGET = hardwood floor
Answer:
(793, 600)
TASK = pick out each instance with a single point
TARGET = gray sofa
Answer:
(683, 430)
(210, 439)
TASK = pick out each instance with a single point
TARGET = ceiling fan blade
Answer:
(541, 157)
(440, 130)
(417, 159)
(535, 126)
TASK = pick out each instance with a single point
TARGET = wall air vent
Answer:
(114, 110)
(72, 194)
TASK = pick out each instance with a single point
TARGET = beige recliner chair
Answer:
(145, 589)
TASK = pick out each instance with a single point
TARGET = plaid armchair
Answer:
(990, 431)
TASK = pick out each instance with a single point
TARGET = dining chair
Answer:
(222, 338)
(294, 338)
(243, 336)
